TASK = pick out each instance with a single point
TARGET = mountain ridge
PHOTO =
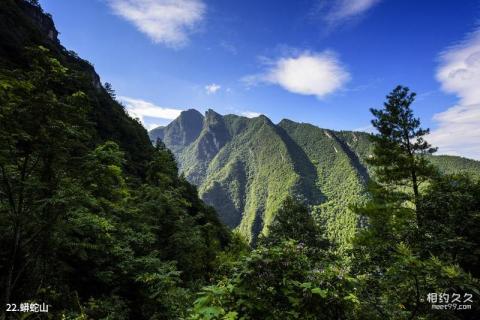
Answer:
(245, 167)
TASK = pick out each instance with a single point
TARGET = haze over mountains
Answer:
(245, 167)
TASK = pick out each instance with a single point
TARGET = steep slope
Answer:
(341, 176)
(181, 132)
(23, 26)
(246, 167)
(195, 158)
(253, 173)
(90, 212)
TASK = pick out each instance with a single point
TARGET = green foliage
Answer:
(94, 220)
(41, 129)
(278, 282)
(399, 289)
(451, 210)
(399, 149)
(456, 165)
(226, 260)
(397, 257)
(294, 222)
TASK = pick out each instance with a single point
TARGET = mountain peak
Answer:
(286, 122)
(243, 166)
(265, 119)
(190, 112)
(180, 132)
(212, 117)
(212, 113)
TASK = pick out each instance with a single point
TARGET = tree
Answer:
(293, 221)
(399, 147)
(34, 2)
(104, 167)
(391, 254)
(451, 209)
(42, 127)
(110, 90)
(278, 282)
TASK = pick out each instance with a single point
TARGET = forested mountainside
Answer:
(97, 223)
(246, 167)
(94, 220)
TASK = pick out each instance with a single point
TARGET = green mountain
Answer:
(246, 167)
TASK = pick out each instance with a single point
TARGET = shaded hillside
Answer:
(182, 132)
(25, 25)
(246, 167)
(94, 220)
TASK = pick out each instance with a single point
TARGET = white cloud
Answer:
(345, 9)
(152, 126)
(250, 114)
(140, 109)
(165, 21)
(458, 129)
(317, 74)
(336, 12)
(459, 72)
(212, 88)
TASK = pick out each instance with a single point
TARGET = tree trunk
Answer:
(416, 196)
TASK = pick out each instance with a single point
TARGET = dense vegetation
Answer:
(246, 168)
(96, 222)
(417, 243)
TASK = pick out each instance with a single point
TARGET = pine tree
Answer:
(399, 147)
(392, 259)
(110, 90)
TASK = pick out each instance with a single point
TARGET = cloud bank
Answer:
(141, 109)
(169, 22)
(317, 74)
(458, 129)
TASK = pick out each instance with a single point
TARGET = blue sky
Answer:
(323, 62)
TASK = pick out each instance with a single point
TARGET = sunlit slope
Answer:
(254, 172)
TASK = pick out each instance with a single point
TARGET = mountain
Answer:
(245, 167)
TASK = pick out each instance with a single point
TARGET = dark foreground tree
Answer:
(392, 261)
(399, 148)
(451, 209)
(42, 128)
(80, 232)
